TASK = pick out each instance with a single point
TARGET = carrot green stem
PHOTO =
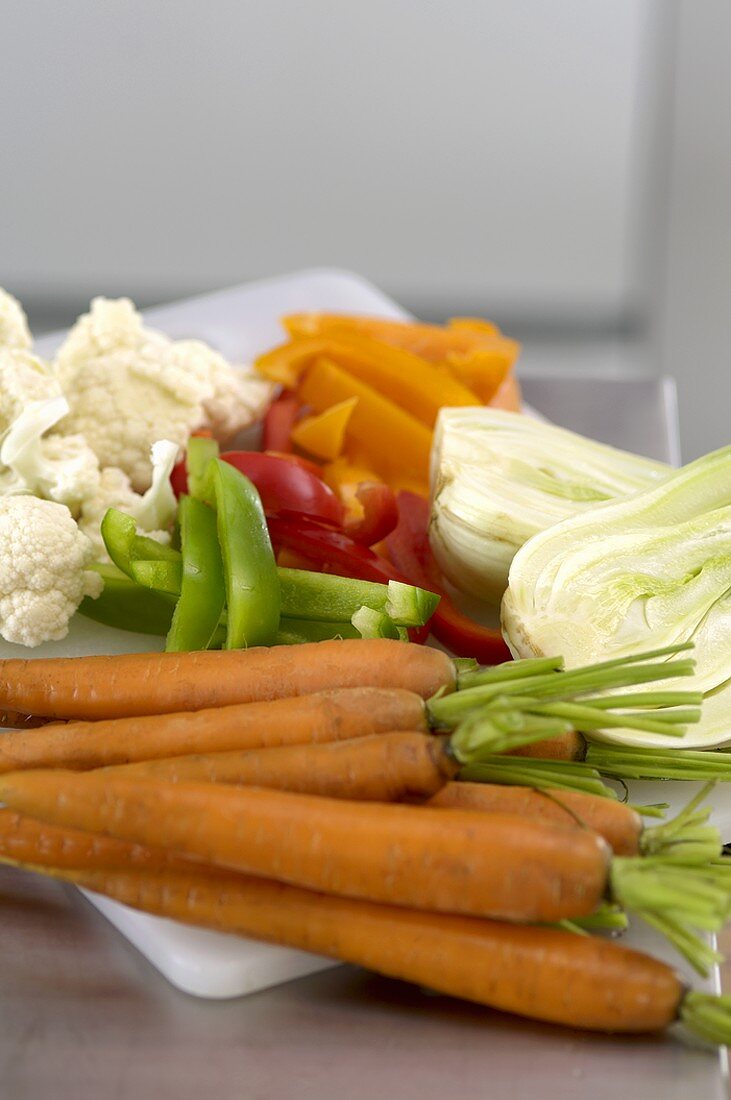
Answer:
(638, 763)
(541, 774)
(686, 836)
(708, 1016)
(677, 899)
(553, 686)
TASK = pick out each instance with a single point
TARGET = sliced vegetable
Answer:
(286, 486)
(128, 606)
(409, 550)
(379, 513)
(499, 478)
(654, 569)
(202, 590)
(249, 567)
(374, 421)
(324, 434)
(279, 420)
(125, 546)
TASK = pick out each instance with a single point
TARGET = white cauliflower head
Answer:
(23, 378)
(153, 510)
(128, 386)
(14, 331)
(43, 570)
(60, 468)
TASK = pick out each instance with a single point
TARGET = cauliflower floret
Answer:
(43, 574)
(128, 386)
(238, 395)
(60, 468)
(14, 331)
(154, 511)
(23, 378)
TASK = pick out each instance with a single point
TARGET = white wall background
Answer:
(562, 165)
(472, 152)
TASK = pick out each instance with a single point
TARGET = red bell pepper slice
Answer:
(283, 485)
(380, 513)
(279, 419)
(409, 550)
(286, 486)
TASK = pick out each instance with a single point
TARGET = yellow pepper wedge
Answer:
(394, 443)
(323, 434)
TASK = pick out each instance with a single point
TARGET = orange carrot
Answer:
(158, 683)
(543, 973)
(392, 767)
(324, 716)
(567, 746)
(447, 860)
(25, 840)
(617, 823)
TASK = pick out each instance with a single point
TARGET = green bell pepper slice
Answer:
(128, 606)
(202, 588)
(249, 567)
(125, 546)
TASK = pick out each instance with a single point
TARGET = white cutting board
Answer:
(240, 323)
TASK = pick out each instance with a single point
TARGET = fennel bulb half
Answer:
(498, 478)
(648, 571)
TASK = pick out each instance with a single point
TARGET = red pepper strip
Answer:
(286, 486)
(409, 550)
(279, 420)
(283, 485)
(380, 513)
(298, 460)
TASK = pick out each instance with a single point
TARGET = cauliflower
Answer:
(23, 378)
(43, 574)
(128, 386)
(60, 468)
(14, 331)
(154, 511)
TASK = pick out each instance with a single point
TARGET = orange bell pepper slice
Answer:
(399, 375)
(396, 445)
(432, 342)
(324, 433)
(484, 369)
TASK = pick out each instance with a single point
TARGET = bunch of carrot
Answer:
(291, 824)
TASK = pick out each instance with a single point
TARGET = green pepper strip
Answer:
(125, 546)
(249, 567)
(202, 589)
(199, 453)
(128, 606)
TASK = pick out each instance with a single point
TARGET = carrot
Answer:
(324, 716)
(617, 823)
(392, 767)
(158, 683)
(543, 973)
(25, 840)
(450, 861)
(567, 746)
